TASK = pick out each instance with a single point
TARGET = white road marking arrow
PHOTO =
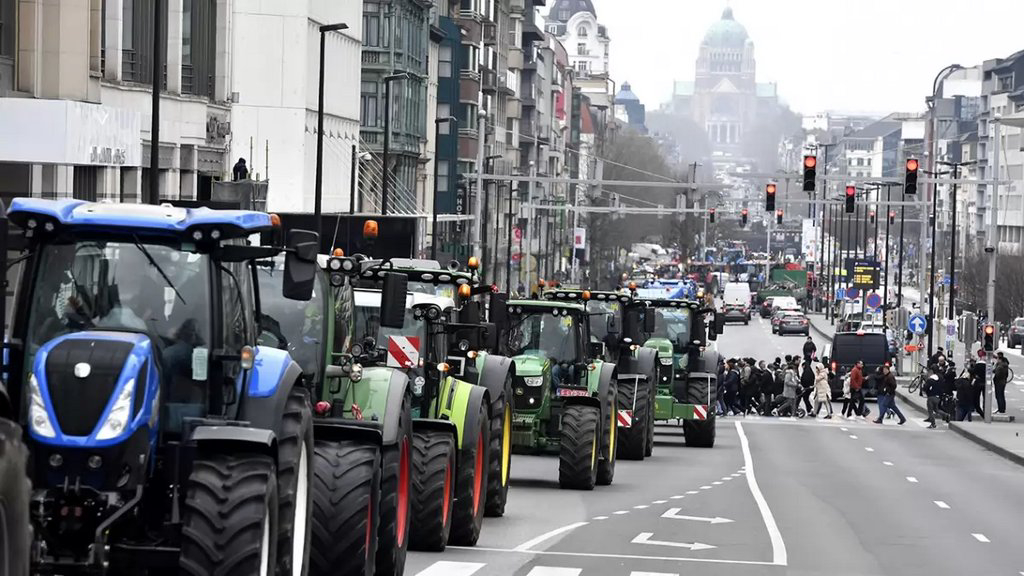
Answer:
(674, 514)
(645, 538)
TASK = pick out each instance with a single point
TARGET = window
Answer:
(198, 47)
(7, 27)
(1006, 83)
(581, 48)
(137, 38)
(444, 61)
(581, 31)
(444, 111)
(368, 104)
(371, 25)
(563, 15)
(442, 174)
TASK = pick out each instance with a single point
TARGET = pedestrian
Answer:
(806, 384)
(964, 399)
(938, 357)
(766, 387)
(856, 380)
(791, 389)
(822, 390)
(1000, 375)
(810, 350)
(732, 388)
(887, 397)
(978, 377)
(751, 388)
(933, 390)
(240, 171)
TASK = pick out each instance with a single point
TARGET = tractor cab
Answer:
(550, 344)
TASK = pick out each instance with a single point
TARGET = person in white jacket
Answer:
(822, 390)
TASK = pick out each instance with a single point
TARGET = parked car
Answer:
(794, 323)
(766, 307)
(736, 313)
(1015, 335)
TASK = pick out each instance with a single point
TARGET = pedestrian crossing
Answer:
(449, 568)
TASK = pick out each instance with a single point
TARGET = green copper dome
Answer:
(726, 33)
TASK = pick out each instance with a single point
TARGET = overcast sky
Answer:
(845, 55)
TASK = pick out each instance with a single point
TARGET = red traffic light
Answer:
(744, 212)
(851, 191)
(779, 213)
(770, 188)
(912, 165)
(810, 161)
(872, 213)
(990, 329)
(892, 213)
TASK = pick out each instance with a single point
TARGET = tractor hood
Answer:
(662, 345)
(527, 365)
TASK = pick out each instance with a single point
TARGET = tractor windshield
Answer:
(367, 324)
(673, 324)
(599, 313)
(546, 335)
(161, 290)
(443, 290)
(291, 325)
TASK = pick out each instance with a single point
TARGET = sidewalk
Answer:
(823, 327)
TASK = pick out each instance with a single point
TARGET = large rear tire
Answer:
(395, 506)
(229, 525)
(632, 441)
(500, 453)
(577, 461)
(15, 488)
(433, 468)
(294, 478)
(609, 436)
(700, 433)
(471, 484)
(346, 508)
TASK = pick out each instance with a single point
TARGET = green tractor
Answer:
(622, 323)
(363, 437)
(451, 415)
(687, 387)
(565, 393)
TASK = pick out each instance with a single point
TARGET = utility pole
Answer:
(991, 245)
(888, 198)
(154, 135)
(478, 204)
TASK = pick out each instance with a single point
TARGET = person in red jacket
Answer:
(855, 404)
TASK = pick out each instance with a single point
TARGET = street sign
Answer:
(840, 294)
(874, 300)
(865, 274)
(852, 293)
(951, 330)
(917, 324)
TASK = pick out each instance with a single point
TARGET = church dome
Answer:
(626, 94)
(562, 10)
(726, 33)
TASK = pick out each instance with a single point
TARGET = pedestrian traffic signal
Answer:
(711, 215)
(810, 172)
(892, 216)
(872, 216)
(851, 197)
(910, 182)
(769, 201)
(743, 217)
(778, 216)
(989, 337)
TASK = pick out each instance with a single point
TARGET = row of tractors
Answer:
(194, 391)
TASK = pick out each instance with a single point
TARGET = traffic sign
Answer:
(951, 330)
(840, 294)
(874, 300)
(852, 293)
(917, 323)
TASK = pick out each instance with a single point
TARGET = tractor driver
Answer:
(557, 340)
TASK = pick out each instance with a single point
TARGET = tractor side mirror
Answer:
(489, 336)
(612, 325)
(392, 302)
(464, 337)
(300, 265)
(649, 320)
(717, 326)
(498, 313)
(470, 313)
(596, 350)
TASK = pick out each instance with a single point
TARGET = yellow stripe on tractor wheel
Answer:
(593, 453)
(506, 444)
(614, 428)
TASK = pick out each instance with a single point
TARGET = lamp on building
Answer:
(319, 185)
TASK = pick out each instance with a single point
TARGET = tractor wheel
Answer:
(500, 452)
(346, 505)
(294, 477)
(15, 488)
(395, 507)
(577, 461)
(433, 469)
(471, 486)
(609, 437)
(649, 441)
(632, 441)
(230, 518)
(700, 433)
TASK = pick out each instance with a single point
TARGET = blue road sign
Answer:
(917, 324)
(852, 293)
(874, 300)
(840, 294)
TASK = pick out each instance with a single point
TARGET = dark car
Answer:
(847, 348)
(736, 313)
(1015, 335)
(794, 323)
(766, 307)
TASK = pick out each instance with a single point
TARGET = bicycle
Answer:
(918, 380)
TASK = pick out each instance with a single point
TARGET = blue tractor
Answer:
(162, 439)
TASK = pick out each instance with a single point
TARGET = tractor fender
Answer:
(495, 370)
(398, 387)
(271, 381)
(469, 427)
(606, 376)
(646, 361)
(707, 362)
(336, 429)
(583, 401)
(431, 424)
(229, 439)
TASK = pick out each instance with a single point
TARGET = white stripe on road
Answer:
(677, 497)
(942, 504)
(854, 436)
(844, 429)
(446, 568)
(779, 557)
(708, 487)
(911, 479)
(531, 543)
(659, 502)
(692, 492)
(621, 512)
(869, 449)
(551, 571)
(717, 482)
(634, 573)
(887, 463)
(980, 538)
(641, 507)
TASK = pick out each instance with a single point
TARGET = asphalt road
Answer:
(775, 496)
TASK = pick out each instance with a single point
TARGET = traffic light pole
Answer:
(992, 241)
(888, 222)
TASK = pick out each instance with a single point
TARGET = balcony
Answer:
(401, 142)
(490, 33)
(469, 87)
(515, 58)
(517, 6)
(513, 108)
(531, 33)
(489, 81)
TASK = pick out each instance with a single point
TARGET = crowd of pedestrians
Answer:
(960, 396)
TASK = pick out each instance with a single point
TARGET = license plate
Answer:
(572, 392)
(523, 419)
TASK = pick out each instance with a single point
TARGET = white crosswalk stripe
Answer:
(553, 571)
(449, 568)
(446, 568)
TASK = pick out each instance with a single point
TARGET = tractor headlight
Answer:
(39, 418)
(463, 345)
(334, 264)
(533, 381)
(117, 419)
(666, 361)
(355, 373)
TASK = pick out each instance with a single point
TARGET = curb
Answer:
(819, 331)
(907, 401)
(991, 446)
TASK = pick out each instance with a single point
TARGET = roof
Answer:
(139, 217)
(545, 304)
(726, 33)
(877, 130)
(571, 7)
(626, 94)
(369, 298)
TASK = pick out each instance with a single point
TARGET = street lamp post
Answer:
(319, 184)
(931, 271)
(450, 120)
(888, 198)
(385, 185)
(952, 253)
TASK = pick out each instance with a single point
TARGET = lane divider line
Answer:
(660, 502)
(525, 546)
(887, 463)
(912, 479)
(600, 517)
(854, 436)
(640, 507)
(981, 538)
(869, 449)
(621, 512)
(941, 504)
(448, 568)
(677, 497)
(779, 556)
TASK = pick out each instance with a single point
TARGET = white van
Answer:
(785, 303)
(736, 301)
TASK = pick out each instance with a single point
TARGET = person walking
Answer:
(964, 399)
(933, 390)
(732, 388)
(978, 376)
(1000, 375)
(790, 389)
(887, 397)
(766, 387)
(810, 350)
(856, 384)
(806, 372)
(822, 390)
(751, 388)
